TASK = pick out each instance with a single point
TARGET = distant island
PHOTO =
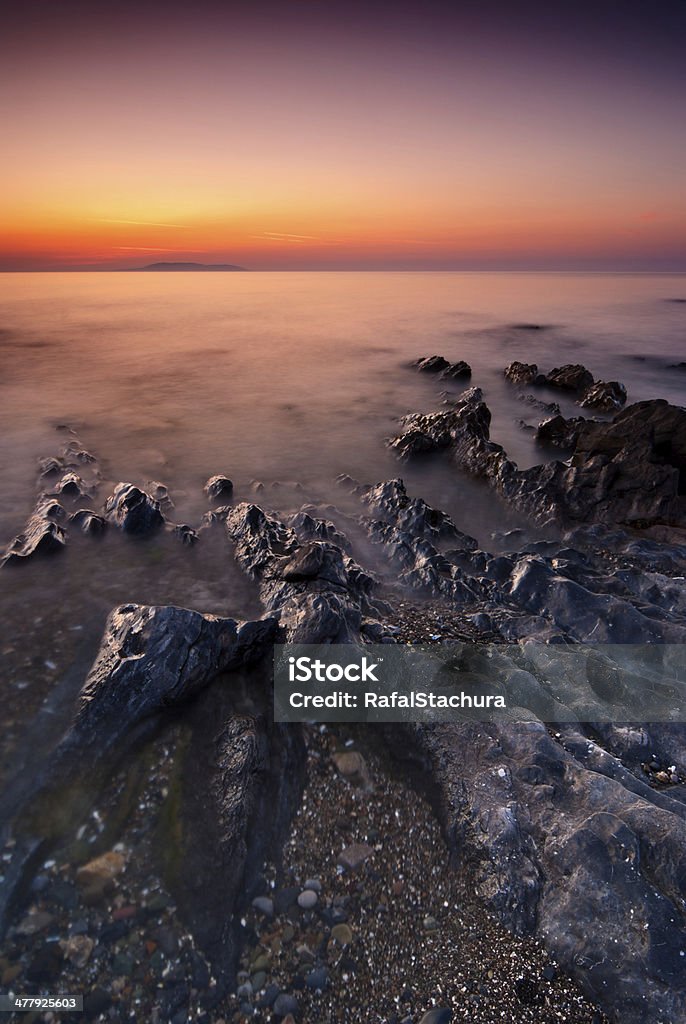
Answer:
(189, 266)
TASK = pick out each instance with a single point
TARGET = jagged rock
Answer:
(50, 466)
(133, 510)
(318, 591)
(456, 370)
(160, 493)
(72, 486)
(561, 432)
(219, 488)
(521, 373)
(630, 470)
(185, 533)
(154, 657)
(606, 396)
(431, 364)
(88, 521)
(309, 526)
(42, 534)
(570, 377)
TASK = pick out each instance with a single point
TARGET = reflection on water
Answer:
(276, 377)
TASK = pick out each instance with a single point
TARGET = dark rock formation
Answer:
(219, 488)
(570, 377)
(441, 366)
(605, 396)
(250, 774)
(630, 470)
(133, 510)
(318, 592)
(522, 373)
(89, 522)
(42, 535)
(560, 432)
(431, 364)
(71, 485)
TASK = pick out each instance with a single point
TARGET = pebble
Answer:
(342, 934)
(354, 856)
(99, 874)
(317, 979)
(314, 884)
(264, 905)
(307, 899)
(285, 1004)
(439, 1015)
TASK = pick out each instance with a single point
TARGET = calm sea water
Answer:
(275, 377)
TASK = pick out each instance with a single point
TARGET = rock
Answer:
(71, 486)
(34, 923)
(456, 371)
(307, 900)
(89, 522)
(264, 905)
(317, 979)
(186, 534)
(561, 432)
(219, 488)
(313, 883)
(42, 534)
(606, 396)
(342, 934)
(77, 949)
(570, 377)
(431, 364)
(611, 846)
(133, 510)
(630, 470)
(160, 492)
(318, 592)
(439, 1015)
(285, 1004)
(521, 373)
(99, 874)
(352, 766)
(354, 856)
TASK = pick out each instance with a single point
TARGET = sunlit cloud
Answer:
(151, 248)
(137, 223)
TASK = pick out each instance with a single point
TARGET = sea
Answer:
(281, 381)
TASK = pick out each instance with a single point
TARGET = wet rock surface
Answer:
(190, 906)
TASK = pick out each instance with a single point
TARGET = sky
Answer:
(314, 135)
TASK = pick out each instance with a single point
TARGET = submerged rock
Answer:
(431, 364)
(560, 432)
(219, 488)
(89, 522)
(570, 377)
(42, 534)
(521, 373)
(133, 510)
(606, 396)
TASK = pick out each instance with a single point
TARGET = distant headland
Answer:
(189, 266)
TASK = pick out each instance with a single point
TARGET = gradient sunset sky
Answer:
(344, 136)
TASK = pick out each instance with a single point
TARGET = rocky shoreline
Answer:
(570, 838)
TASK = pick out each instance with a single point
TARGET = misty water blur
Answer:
(275, 377)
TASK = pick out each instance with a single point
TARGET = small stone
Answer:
(439, 1015)
(352, 766)
(77, 949)
(264, 905)
(218, 487)
(98, 875)
(285, 1004)
(430, 923)
(307, 899)
(317, 980)
(353, 857)
(342, 934)
(258, 980)
(314, 884)
(34, 923)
